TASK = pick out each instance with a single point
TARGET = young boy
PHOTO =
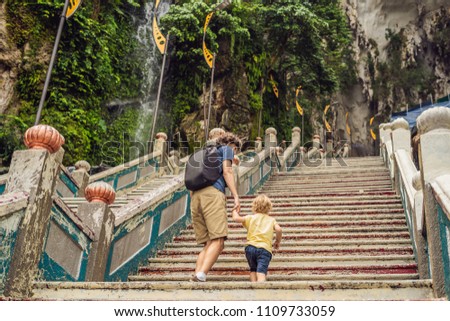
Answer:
(260, 227)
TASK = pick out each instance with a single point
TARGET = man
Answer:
(208, 209)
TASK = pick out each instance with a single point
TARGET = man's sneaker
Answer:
(194, 278)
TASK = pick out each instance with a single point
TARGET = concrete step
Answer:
(327, 224)
(275, 277)
(318, 236)
(238, 251)
(327, 213)
(326, 194)
(242, 232)
(337, 207)
(351, 189)
(248, 199)
(338, 268)
(327, 171)
(299, 179)
(342, 217)
(316, 243)
(326, 191)
(242, 291)
(288, 261)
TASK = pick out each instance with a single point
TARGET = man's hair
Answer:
(215, 133)
(229, 138)
(261, 204)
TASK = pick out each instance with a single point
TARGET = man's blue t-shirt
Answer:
(225, 153)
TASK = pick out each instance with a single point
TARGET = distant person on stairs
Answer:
(209, 212)
(260, 228)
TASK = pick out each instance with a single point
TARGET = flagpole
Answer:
(52, 61)
(260, 115)
(303, 127)
(155, 114)
(210, 95)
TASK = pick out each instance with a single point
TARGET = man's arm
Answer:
(229, 179)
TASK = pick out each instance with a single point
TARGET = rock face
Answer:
(422, 23)
(9, 63)
(230, 107)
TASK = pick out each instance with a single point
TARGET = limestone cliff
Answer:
(10, 58)
(423, 27)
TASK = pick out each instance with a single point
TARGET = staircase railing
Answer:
(45, 239)
(426, 193)
(3, 183)
(291, 156)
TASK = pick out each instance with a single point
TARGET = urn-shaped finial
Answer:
(43, 137)
(100, 192)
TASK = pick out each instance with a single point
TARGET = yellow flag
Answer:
(208, 55)
(327, 125)
(206, 52)
(73, 6)
(208, 18)
(274, 86)
(160, 40)
(346, 124)
(299, 108)
(372, 133)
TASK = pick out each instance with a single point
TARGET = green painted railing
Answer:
(12, 211)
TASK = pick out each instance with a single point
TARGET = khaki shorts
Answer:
(209, 214)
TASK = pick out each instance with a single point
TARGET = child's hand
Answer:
(276, 245)
(237, 216)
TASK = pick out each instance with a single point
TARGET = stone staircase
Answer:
(126, 197)
(344, 238)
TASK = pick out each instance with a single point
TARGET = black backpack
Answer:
(203, 168)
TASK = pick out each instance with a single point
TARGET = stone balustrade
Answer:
(291, 156)
(425, 193)
(45, 237)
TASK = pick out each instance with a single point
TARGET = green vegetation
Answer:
(95, 64)
(296, 42)
(394, 76)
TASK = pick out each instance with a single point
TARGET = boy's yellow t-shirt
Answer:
(260, 229)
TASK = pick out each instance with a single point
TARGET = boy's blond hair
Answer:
(261, 204)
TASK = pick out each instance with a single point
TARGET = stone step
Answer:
(248, 199)
(275, 277)
(279, 261)
(316, 217)
(241, 291)
(326, 191)
(315, 243)
(348, 191)
(242, 232)
(326, 194)
(318, 166)
(336, 207)
(237, 251)
(330, 189)
(317, 236)
(328, 178)
(304, 247)
(324, 213)
(304, 183)
(356, 172)
(325, 224)
(335, 267)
